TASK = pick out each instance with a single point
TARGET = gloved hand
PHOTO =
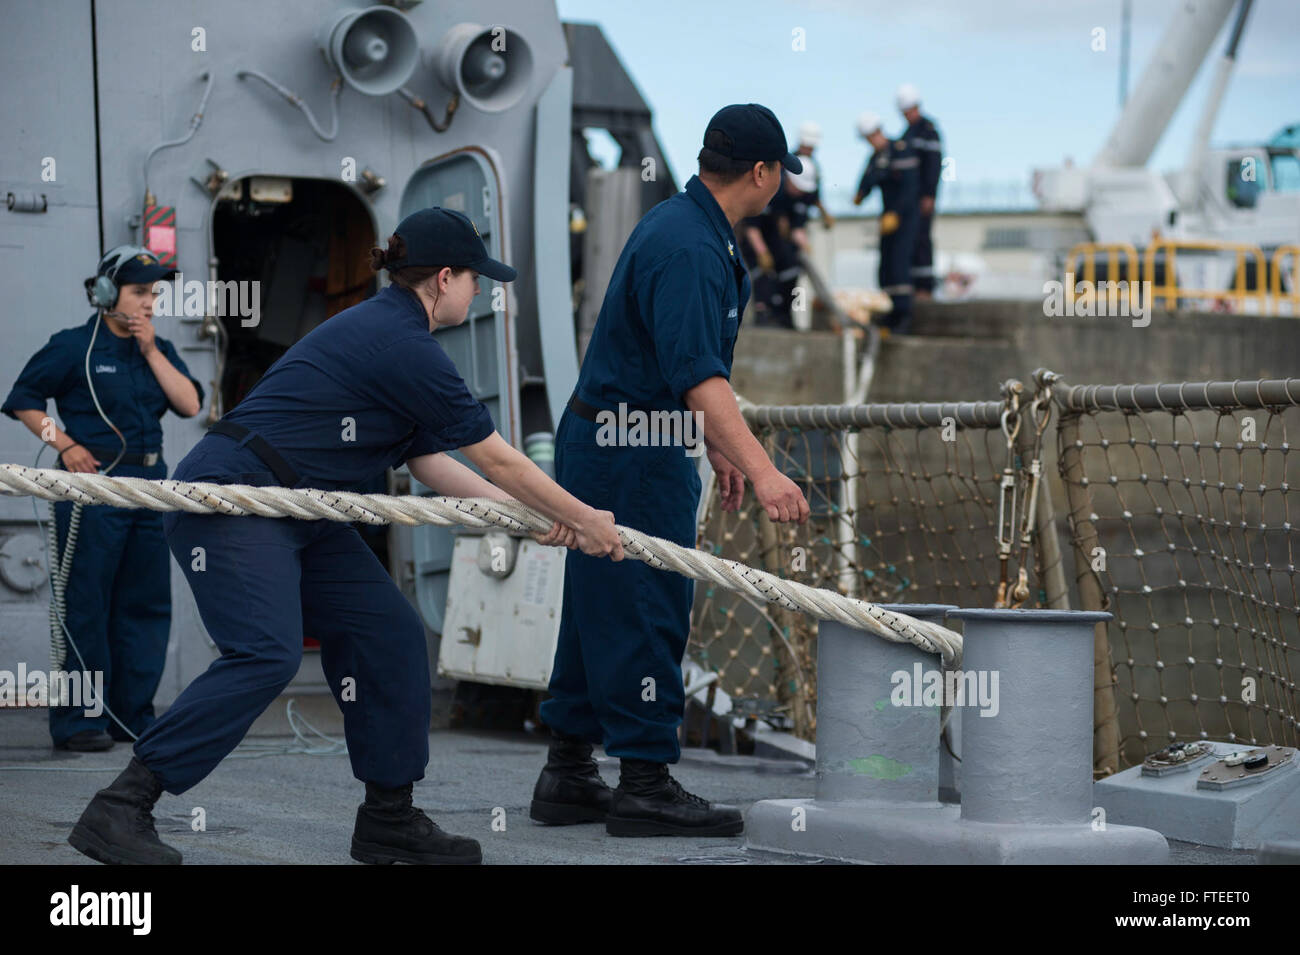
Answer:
(766, 262)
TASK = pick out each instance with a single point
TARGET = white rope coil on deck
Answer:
(244, 500)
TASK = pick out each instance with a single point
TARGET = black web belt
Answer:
(282, 469)
(590, 412)
(104, 456)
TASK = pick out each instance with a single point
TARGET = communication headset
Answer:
(101, 288)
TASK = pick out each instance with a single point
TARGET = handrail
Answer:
(1089, 250)
(1169, 289)
(1081, 265)
(1275, 286)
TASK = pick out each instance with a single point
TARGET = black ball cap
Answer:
(755, 134)
(140, 269)
(445, 237)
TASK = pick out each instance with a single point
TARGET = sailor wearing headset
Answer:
(111, 379)
(367, 390)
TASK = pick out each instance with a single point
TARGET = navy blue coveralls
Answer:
(365, 391)
(896, 170)
(923, 137)
(118, 596)
(774, 293)
(669, 321)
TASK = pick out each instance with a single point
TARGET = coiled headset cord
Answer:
(60, 566)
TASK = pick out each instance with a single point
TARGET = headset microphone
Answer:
(101, 288)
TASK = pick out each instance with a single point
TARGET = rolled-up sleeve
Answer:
(417, 378)
(46, 375)
(681, 302)
(173, 356)
(421, 444)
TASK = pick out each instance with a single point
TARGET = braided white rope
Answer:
(346, 506)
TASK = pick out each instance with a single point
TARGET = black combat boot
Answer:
(389, 829)
(117, 827)
(569, 789)
(649, 802)
(87, 741)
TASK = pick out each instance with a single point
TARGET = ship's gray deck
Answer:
(300, 809)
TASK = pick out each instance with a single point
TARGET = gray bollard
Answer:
(1026, 771)
(867, 747)
(1032, 761)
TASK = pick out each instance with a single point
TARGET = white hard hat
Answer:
(810, 134)
(908, 96)
(806, 180)
(868, 123)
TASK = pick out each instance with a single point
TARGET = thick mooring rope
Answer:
(244, 500)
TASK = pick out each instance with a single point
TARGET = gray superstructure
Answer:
(268, 187)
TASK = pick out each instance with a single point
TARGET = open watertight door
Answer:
(482, 347)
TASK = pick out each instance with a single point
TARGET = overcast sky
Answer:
(1012, 84)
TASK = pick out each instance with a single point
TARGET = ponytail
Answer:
(406, 276)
